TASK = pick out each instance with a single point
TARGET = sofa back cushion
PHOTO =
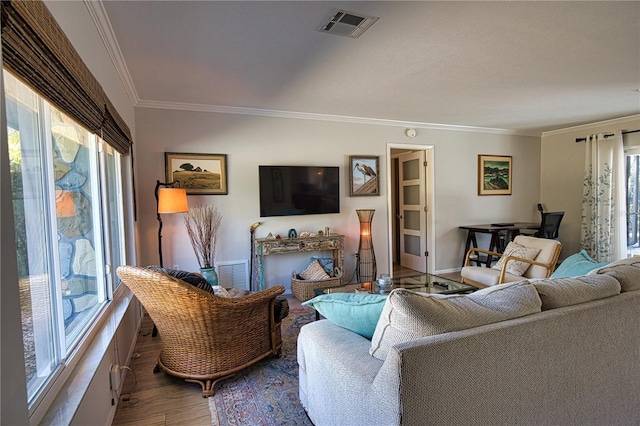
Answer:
(626, 271)
(559, 292)
(409, 315)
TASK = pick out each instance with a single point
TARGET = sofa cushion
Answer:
(357, 312)
(409, 315)
(487, 276)
(559, 292)
(576, 265)
(626, 271)
(516, 267)
(280, 308)
(314, 272)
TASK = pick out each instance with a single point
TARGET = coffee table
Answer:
(421, 283)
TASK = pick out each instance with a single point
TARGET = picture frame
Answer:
(363, 175)
(199, 174)
(494, 174)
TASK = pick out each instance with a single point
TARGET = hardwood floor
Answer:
(159, 399)
(400, 271)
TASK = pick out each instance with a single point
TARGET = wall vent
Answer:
(233, 274)
(347, 24)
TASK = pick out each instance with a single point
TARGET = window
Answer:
(633, 196)
(632, 155)
(67, 206)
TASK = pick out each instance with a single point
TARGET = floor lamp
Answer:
(366, 269)
(168, 200)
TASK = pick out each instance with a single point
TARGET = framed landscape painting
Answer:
(363, 174)
(199, 174)
(494, 175)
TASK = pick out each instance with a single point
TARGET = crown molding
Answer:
(221, 109)
(611, 122)
(99, 16)
(101, 20)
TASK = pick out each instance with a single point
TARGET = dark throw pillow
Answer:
(194, 279)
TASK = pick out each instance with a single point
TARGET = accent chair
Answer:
(205, 338)
(526, 257)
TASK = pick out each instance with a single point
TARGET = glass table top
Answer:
(422, 283)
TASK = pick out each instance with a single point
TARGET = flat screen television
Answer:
(299, 190)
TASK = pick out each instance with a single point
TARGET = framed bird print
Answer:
(363, 175)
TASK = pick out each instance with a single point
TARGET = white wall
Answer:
(250, 141)
(562, 167)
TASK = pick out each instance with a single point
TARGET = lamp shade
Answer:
(172, 200)
(366, 269)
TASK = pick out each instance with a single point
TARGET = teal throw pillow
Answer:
(576, 265)
(357, 312)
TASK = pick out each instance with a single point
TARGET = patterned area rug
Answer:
(266, 393)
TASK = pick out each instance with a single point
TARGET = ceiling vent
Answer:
(348, 24)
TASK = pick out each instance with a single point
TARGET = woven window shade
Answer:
(35, 49)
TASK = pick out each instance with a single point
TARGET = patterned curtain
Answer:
(603, 230)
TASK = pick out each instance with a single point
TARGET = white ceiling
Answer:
(523, 66)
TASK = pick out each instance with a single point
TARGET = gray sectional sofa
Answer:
(562, 351)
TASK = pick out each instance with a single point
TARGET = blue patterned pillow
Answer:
(357, 312)
(326, 262)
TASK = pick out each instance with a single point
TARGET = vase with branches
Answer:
(203, 223)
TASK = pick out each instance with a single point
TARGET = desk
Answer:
(497, 244)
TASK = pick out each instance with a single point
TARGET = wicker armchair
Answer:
(205, 338)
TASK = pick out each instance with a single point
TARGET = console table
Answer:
(269, 246)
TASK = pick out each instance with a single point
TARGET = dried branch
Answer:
(202, 224)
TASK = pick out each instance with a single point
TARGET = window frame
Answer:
(66, 353)
(632, 149)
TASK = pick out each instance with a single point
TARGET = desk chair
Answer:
(550, 225)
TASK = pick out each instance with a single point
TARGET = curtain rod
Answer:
(607, 135)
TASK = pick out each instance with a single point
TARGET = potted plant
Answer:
(203, 223)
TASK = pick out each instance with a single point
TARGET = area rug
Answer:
(265, 394)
